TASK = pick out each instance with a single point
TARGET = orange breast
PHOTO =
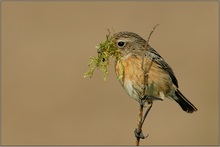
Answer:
(133, 77)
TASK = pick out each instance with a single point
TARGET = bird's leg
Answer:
(149, 99)
(150, 104)
(138, 131)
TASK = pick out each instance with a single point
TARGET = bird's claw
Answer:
(140, 134)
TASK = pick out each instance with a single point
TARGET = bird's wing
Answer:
(160, 61)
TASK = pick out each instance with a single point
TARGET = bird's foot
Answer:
(139, 134)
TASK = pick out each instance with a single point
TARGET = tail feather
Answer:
(185, 104)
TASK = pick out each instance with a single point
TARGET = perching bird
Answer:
(158, 80)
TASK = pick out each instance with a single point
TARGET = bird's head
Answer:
(128, 43)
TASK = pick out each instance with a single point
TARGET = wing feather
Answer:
(160, 61)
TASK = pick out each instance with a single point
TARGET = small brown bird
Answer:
(157, 82)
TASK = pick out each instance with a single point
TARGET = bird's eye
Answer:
(121, 43)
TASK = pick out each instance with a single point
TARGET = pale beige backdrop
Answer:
(45, 48)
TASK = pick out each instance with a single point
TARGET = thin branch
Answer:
(148, 39)
(145, 73)
(139, 129)
(141, 119)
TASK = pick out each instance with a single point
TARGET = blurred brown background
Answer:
(45, 50)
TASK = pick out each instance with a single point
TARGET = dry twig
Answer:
(138, 131)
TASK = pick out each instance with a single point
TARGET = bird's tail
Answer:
(185, 104)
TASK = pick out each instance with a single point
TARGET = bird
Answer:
(145, 73)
